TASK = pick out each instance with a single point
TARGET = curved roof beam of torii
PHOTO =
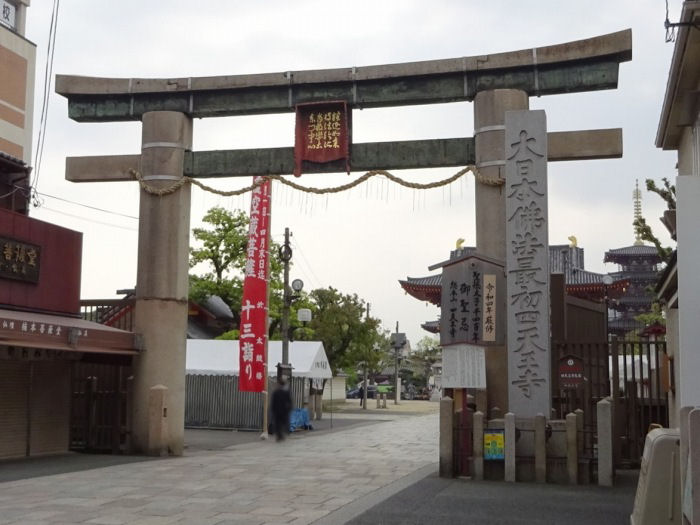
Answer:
(582, 65)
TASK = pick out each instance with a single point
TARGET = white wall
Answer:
(337, 384)
(688, 218)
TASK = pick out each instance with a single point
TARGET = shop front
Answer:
(45, 346)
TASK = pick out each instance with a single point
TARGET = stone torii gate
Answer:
(495, 83)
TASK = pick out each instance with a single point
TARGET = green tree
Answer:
(220, 247)
(668, 194)
(339, 321)
(655, 316)
(427, 353)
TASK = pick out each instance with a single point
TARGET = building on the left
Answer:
(46, 347)
(17, 65)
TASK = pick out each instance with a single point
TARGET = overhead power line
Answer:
(48, 74)
(90, 220)
(88, 206)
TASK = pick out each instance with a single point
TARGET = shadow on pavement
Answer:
(196, 441)
(446, 501)
(34, 467)
(199, 440)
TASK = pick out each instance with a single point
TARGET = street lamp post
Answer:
(288, 295)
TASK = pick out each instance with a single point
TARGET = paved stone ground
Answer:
(297, 481)
(374, 472)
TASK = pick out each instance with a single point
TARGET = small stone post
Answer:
(318, 406)
(606, 468)
(509, 437)
(129, 410)
(579, 429)
(379, 400)
(572, 448)
(158, 421)
(540, 448)
(446, 438)
(478, 423)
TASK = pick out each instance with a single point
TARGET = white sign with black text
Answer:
(463, 366)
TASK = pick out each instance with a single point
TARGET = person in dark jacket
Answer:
(281, 406)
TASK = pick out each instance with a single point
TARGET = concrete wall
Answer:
(17, 65)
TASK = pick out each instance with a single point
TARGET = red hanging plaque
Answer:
(322, 134)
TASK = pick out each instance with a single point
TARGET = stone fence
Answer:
(526, 449)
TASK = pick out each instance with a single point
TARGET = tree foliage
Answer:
(220, 249)
(656, 316)
(339, 320)
(427, 353)
(348, 334)
(668, 193)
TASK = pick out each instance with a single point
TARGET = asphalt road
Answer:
(446, 501)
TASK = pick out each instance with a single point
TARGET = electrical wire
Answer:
(17, 188)
(48, 73)
(88, 206)
(93, 221)
(299, 251)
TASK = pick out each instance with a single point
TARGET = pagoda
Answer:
(638, 264)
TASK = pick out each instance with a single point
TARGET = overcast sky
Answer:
(365, 240)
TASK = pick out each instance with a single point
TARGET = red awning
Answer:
(54, 332)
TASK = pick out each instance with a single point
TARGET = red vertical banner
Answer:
(253, 328)
(322, 134)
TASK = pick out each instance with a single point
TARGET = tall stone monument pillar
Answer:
(162, 278)
(527, 264)
(489, 135)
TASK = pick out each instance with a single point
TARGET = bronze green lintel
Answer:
(414, 154)
(375, 93)
(411, 154)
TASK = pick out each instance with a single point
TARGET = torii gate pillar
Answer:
(162, 278)
(489, 135)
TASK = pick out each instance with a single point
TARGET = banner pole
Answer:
(266, 391)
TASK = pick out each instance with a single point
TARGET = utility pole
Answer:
(364, 380)
(286, 256)
(396, 368)
(289, 294)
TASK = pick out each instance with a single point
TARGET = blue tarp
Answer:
(299, 419)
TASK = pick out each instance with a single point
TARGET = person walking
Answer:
(362, 396)
(281, 406)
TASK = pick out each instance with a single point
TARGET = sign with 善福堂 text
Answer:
(471, 302)
(527, 263)
(19, 260)
(322, 134)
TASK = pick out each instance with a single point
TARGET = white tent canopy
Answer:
(215, 357)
